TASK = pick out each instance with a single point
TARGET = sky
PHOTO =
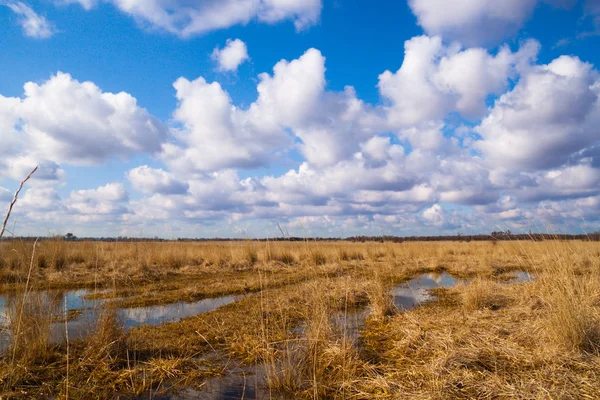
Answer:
(331, 118)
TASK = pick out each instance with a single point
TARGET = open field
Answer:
(318, 319)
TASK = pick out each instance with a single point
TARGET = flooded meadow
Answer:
(300, 320)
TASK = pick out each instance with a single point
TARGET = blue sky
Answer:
(486, 119)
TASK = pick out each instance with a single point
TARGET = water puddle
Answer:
(156, 315)
(350, 323)
(521, 277)
(83, 312)
(406, 296)
(49, 305)
(415, 292)
(240, 382)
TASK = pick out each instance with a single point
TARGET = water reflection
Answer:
(156, 315)
(415, 292)
(46, 307)
(53, 304)
(349, 323)
(241, 383)
(521, 277)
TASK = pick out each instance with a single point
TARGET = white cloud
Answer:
(292, 93)
(150, 180)
(104, 200)
(381, 168)
(39, 200)
(435, 79)
(63, 120)
(338, 124)
(186, 18)
(5, 195)
(566, 182)
(330, 125)
(475, 22)
(19, 166)
(231, 56)
(86, 4)
(108, 192)
(409, 165)
(464, 179)
(427, 136)
(304, 13)
(34, 25)
(552, 113)
(435, 215)
(10, 138)
(216, 135)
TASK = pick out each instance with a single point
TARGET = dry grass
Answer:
(486, 338)
(483, 294)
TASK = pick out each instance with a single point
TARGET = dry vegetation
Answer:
(484, 338)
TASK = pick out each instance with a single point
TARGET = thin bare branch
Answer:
(14, 200)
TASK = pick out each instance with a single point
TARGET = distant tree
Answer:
(70, 236)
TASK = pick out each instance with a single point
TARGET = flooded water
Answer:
(240, 382)
(156, 315)
(52, 305)
(351, 322)
(415, 292)
(521, 276)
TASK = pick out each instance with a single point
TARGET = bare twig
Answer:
(14, 200)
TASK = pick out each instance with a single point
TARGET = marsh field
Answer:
(300, 320)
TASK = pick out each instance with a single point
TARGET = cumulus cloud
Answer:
(552, 113)
(5, 194)
(19, 166)
(476, 22)
(506, 141)
(76, 122)
(213, 196)
(104, 200)
(566, 182)
(39, 200)
(436, 79)
(231, 56)
(304, 13)
(291, 94)
(34, 25)
(329, 125)
(435, 215)
(66, 121)
(216, 135)
(86, 4)
(108, 192)
(10, 138)
(151, 180)
(185, 19)
(213, 134)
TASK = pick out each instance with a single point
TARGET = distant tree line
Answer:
(494, 236)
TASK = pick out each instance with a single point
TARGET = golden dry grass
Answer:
(485, 338)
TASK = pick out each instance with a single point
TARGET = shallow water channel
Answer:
(249, 382)
(521, 277)
(83, 312)
(415, 292)
(240, 382)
